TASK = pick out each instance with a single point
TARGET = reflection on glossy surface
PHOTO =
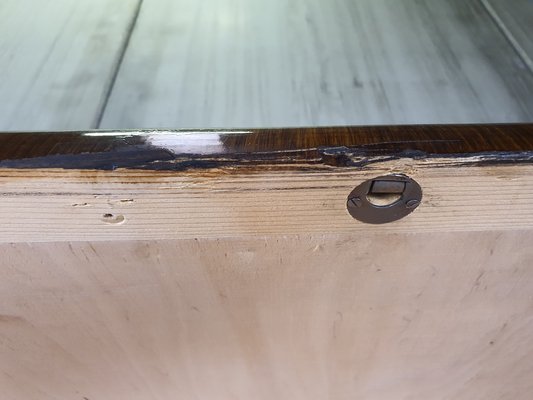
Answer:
(188, 142)
(184, 149)
(178, 142)
(161, 133)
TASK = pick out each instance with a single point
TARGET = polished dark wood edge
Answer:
(333, 146)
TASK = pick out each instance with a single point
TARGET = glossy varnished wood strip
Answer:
(361, 316)
(241, 63)
(73, 205)
(189, 149)
(57, 59)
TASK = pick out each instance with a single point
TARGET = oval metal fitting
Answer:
(384, 199)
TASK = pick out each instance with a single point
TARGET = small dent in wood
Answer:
(81, 205)
(113, 219)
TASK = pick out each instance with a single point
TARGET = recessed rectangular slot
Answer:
(387, 187)
(385, 193)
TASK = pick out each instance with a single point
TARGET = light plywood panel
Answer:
(378, 317)
(57, 60)
(242, 63)
(515, 18)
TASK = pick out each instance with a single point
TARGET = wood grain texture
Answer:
(62, 205)
(377, 317)
(242, 63)
(57, 60)
(515, 19)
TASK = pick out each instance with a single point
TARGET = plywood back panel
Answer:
(374, 316)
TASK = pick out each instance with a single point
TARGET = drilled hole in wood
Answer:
(113, 219)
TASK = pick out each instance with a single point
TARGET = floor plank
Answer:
(242, 63)
(515, 18)
(57, 59)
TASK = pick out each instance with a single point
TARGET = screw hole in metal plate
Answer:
(384, 199)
